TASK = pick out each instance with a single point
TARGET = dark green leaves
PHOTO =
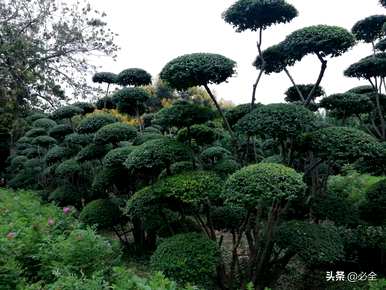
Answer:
(370, 28)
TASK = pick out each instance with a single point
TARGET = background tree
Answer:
(199, 69)
(134, 77)
(257, 16)
(105, 77)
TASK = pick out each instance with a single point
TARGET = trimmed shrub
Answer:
(114, 133)
(93, 122)
(79, 139)
(44, 123)
(35, 132)
(251, 185)
(59, 132)
(44, 141)
(143, 138)
(66, 112)
(93, 152)
(187, 258)
(87, 108)
(68, 168)
(116, 157)
(228, 218)
(104, 213)
(373, 210)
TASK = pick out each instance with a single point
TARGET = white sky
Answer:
(153, 32)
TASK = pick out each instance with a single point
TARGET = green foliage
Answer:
(315, 243)
(143, 138)
(373, 210)
(44, 123)
(59, 132)
(116, 157)
(197, 69)
(134, 77)
(81, 252)
(35, 116)
(278, 121)
(43, 141)
(319, 39)
(182, 114)
(108, 101)
(35, 132)
(250, 185)
(155, 155)
(68, 168)
(192, 188)
(346, 105)
(226, 166)
(370, 28)
(236, 113)
(66, 195)
(201, 135)
(105, 77)
(361, 90)
(342, 145)
(93, 122)
(87, 108)
(292, 94)
(258, 14)
(187, 258)
(213, 154)
(368, 67)
(381, 45)
(228, 218)
(131, 100)
(57, 154)
(93, 152)
(66, 112)
(104, 213)
(276, 59)
(78, 139)
(114, 133)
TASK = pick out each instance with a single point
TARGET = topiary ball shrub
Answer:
(93, 152)
(66, 195)
(143, 138)
(226, 167)
(44, 123)
(35, 132)
(116, 157)
(35, 116)
(104, 213)
(114, 133)
(292, 94)
(59, 132)
(251, 185)
(93, 122)
(57, 154)
(229, 218)
(134, 77)
(213, 154)
(68, 168)
(75, 139)
(131, 100)
(66, 112)
(187, 258)
(44, 141)
(87, 108)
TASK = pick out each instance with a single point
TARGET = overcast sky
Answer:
(152, 32)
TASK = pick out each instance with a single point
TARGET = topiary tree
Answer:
(258, 15)
(369, 29)
(295, 93)
(93, 152)
(265, 191)
(182, 114)
(116, 157)
(281, 122)
(93, 122)
(361, 90)
(346, 105)
(134, 77)
(150, 158)
(105, 103)
(115, 133)
(67, 112)
(131, 101)
(372, 68)
(200, 134)
(321, 40)
(43, 141)
(199, 69)
(211, 155)
(59, 132)
(87, 108)
(35, 132)
(103, 213)
(57, 154)
(187, 258)
(105, 77)
(44, 123)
